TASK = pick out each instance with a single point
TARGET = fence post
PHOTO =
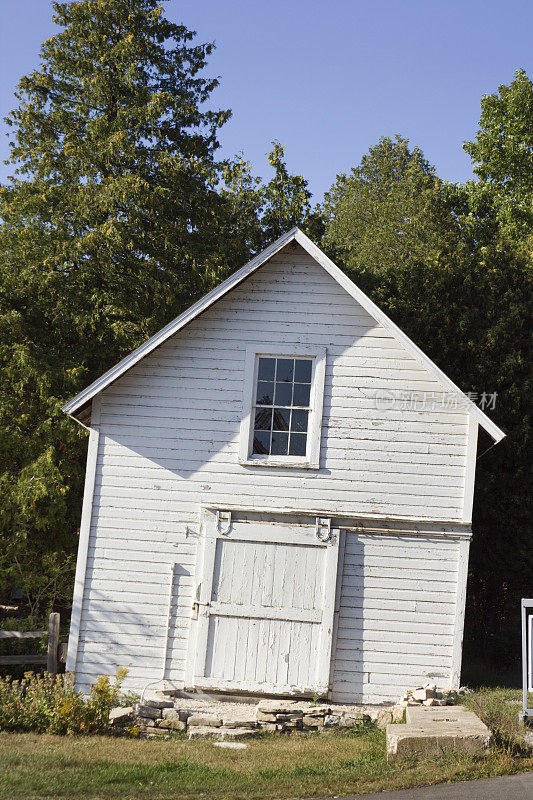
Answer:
(53, 642)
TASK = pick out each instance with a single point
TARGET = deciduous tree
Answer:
(502, 153)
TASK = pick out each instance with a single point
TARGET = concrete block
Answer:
(429, 730)
(409, 741)
(420, 714)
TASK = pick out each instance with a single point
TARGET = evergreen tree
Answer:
(110, 227)
(388, 211)
(259, 212)
(287, 200)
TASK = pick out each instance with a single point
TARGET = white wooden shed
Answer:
(278, 497)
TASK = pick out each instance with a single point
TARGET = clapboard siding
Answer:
(396, 616)
(169, 433)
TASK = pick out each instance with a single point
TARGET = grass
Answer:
(499, 709)
(103, 768)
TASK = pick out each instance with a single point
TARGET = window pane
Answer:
(265, 393)
(263, 419)
(283, 394)
(301, 395)
(302, 371)
(280, 443)
(261, 442)
(298, 444)
(282, 406)
(299, 420)
(285, 369)
(281, 419)
(266, 369)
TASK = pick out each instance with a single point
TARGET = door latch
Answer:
(196, 608)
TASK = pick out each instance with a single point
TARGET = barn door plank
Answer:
(328, 608)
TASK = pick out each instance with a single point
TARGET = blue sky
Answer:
(328, 79)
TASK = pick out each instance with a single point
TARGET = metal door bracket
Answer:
(323, 529)
(223, 522)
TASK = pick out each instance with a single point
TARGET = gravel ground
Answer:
(244, 710)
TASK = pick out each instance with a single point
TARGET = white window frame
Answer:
(312, 457)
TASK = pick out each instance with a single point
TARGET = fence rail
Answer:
(20, 659)
(56, 651)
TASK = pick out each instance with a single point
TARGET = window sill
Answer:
(288, 462)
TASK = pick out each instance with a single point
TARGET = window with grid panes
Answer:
(282, 405)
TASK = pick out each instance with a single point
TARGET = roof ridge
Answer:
(78, 403)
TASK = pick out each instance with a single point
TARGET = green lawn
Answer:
(33, 766)
(104, 768)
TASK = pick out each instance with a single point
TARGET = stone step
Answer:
(429, 731)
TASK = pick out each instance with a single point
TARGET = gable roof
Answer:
(78, 406)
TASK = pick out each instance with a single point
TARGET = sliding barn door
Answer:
(265, 608)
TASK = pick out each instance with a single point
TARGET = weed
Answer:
(50, 703)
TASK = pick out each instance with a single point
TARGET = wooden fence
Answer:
(56, 651)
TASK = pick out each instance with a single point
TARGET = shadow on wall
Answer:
(128, 628)
(347, 678)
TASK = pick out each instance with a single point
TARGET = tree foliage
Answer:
(502, 153)
(262, 211)
(388, 211)
(111, 226)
